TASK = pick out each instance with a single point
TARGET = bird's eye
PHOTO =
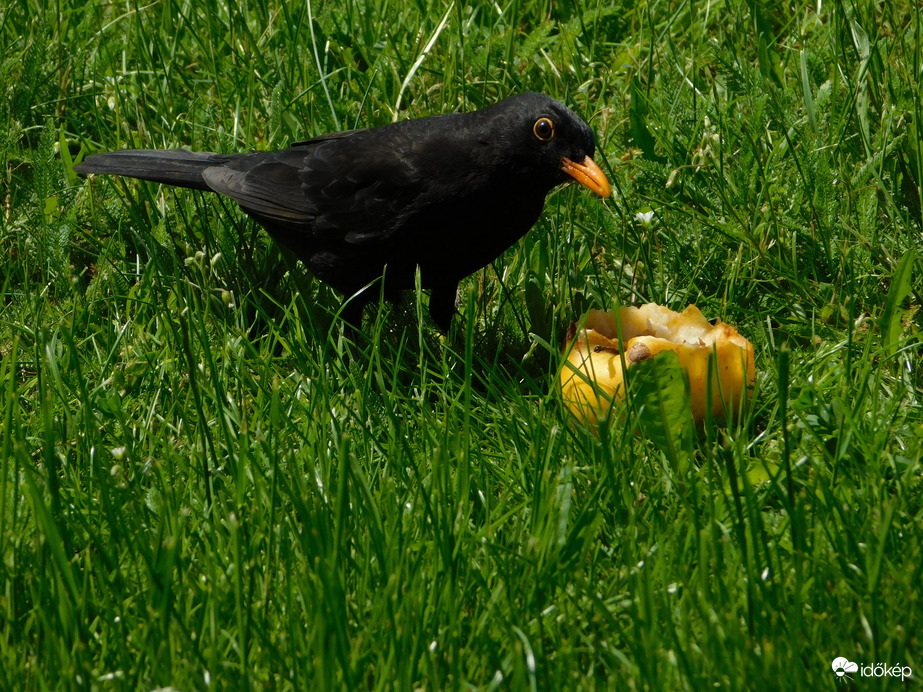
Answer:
(543, 129)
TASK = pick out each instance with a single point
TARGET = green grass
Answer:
(205, 485)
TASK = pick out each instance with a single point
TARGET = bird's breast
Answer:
(460, 238)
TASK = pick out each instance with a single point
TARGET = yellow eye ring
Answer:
(543, 129)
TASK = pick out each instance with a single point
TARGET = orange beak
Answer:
(588, 174)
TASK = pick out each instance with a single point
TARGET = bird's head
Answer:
(548, 139)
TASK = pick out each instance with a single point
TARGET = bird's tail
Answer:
(174, 167)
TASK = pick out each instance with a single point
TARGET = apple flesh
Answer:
(593, 376)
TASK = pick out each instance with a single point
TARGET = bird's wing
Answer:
(265, 183)
(355, 186)
(365, 186)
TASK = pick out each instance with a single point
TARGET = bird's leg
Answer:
(351, 314)
(442, 305)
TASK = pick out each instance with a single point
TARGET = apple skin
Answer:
(592, 377)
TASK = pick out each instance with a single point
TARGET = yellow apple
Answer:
(593, 377)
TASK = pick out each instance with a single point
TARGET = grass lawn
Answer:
(204, 484)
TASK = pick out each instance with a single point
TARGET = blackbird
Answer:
(447, 193)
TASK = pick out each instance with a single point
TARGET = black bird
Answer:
(448, 193)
